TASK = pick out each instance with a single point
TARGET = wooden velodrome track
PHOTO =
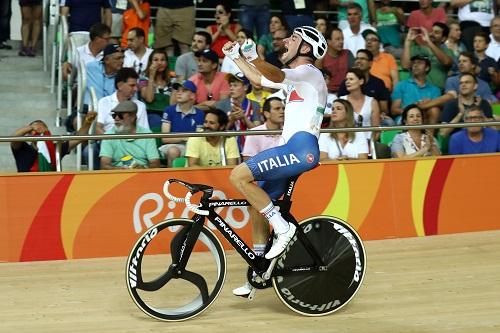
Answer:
(431, 284)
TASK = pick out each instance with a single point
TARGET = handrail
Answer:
(66, 137)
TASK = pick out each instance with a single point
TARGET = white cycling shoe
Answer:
(281, 241)
(243, 291)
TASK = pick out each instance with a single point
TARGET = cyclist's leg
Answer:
(300, 154)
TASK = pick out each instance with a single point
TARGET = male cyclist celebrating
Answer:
(305, 104)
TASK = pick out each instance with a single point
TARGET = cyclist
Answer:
(306, 99)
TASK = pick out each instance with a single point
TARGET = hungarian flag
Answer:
(46, 159)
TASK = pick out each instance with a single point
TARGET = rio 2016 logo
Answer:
(236, 217)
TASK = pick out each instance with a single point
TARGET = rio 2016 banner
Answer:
(87, 215)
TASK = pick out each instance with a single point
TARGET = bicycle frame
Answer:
(258, 263)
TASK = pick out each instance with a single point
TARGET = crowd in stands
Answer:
(383, 67)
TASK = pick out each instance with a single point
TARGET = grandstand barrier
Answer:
(51, 216)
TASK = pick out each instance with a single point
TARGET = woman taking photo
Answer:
(414, 142)
(366, 110)
(342, 145)
(155, 87)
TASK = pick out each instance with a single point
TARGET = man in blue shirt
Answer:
(415, 90)
(85, 13)
(474, 140)
(101, 74)
(181, 117)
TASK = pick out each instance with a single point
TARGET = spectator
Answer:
(416, 89)
(174, 20)
(258, 94)
(493, 49)
(274, 115)
(138, 16)
(414, 142)
(125, 84)
(372, 87)
(117, 153)
(265, 44)
(255, 15)
(342, 145)
(228, 65)
(390, 19)
(366, 109)
(337, 60)
(297, 13)
(92, 51)
(367, 11)
(474, 140)
(384, 65)
(353, 38)
(101, 74)
(453, 42)
(426, 16)
(137, 54)
(211, 85)
(186, 64)
(487, 65)
(207, 151)
(5, 15)
(180, 117)
(322, 25)
(278, 48)
(474, 16)
(243, 113)
(223, 30)
(432, 46)
(31, 13)
(155, 87)
(83, 13)
(467, 63)
(454, 109)
(41, 155)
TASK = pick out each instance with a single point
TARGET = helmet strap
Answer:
(308, 54)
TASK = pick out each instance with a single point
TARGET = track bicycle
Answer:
(177, 268)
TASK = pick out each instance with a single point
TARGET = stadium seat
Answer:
(179, 162)
(386, 137)
(496, 109)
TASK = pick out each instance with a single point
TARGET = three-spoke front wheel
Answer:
(159, 287)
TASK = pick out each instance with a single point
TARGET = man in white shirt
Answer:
(353, 38)
(137, 54)
(99, 37)
(126, 89)
(493, 49)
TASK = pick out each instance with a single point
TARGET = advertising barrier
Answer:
(48, 216)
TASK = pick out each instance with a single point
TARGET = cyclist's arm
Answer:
(261, 69)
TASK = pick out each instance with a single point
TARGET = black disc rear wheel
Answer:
(318, 293)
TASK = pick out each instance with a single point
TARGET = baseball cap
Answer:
(208, 54)
(186, 84)
(370, 32)
(421, 57)
(125, 106)
(238, 76)
(110, 49)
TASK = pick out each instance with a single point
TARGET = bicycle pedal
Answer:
(251, 296)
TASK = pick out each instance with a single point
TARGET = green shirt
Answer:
(142, 150)
(438, 74)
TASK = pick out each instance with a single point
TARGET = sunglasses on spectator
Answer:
(359, 122)
(119, 115)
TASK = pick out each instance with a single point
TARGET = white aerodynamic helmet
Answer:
(314, 38)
